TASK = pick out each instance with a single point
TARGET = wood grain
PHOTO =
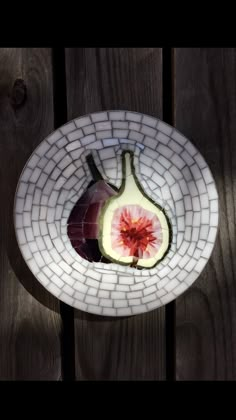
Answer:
(30, 320)
(101, 79)
(205, 111)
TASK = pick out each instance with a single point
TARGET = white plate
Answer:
(172, 173)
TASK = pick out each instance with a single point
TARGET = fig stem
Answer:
(128, 183)
(127, 164)
(93, 168)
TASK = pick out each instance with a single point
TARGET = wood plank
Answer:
(205, 109)
(30, 319)
(102, 79)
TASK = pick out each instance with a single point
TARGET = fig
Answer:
(133, 230)
(82, 225)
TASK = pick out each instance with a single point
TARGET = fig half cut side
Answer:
(134, 230)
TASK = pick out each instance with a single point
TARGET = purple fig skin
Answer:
(82, 226)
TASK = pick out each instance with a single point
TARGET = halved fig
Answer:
(133, 229)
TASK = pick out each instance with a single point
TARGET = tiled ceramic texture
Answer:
(170, 170)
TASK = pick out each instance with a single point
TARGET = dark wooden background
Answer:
(193, 338)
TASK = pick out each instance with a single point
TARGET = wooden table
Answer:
(193, 338)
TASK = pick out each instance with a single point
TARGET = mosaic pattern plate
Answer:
(58, 186)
